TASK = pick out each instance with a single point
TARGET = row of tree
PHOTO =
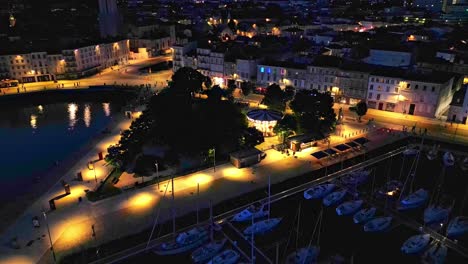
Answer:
(188, 125)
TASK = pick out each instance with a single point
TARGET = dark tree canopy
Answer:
(247, 88)
(286, 125)
(314, 111)
(360, 109)
(289, 93)
(274, 98)
(252, 137)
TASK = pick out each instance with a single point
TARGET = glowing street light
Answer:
(50, 239)
(91, 167)
(157, 172)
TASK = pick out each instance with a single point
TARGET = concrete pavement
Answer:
(135, 209)
(119, 75)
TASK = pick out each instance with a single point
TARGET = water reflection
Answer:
(87, 115)
(72, 109)
(106, 108)
(33, 121)
(40, 109)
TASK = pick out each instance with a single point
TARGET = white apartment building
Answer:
(458, 111)
(71, 63)
(421, 95)
(29, 67)
(282, 73)
(91, 59)
(184, 55)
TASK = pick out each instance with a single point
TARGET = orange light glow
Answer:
(200, 178)
(141, 202)
(16, 260)
(235, 174)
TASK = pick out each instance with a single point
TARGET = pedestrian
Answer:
(17, 90)
(63, 85)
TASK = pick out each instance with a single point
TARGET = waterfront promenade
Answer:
(119, 75)
(72, 224)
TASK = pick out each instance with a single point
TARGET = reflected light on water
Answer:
(33, 121)
(72, 108)
(87, 115)
(40, 108)
(106, 108)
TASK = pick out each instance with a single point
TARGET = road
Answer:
(122, 75)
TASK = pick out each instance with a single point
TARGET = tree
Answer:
(289, 93)
(247, 88)
(314, 111)
(274, 98)
(215, 93)
(186, 80)
(360, 109)
(286, 126)
(252, 137)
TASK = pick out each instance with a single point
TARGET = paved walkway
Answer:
(122, 75)
(71, 224)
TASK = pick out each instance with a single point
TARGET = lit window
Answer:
(268, 70)
(262, 69)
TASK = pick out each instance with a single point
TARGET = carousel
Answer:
(264, 120)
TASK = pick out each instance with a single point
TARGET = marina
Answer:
(276, 245)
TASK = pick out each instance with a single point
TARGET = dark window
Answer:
(416, 87)
(371, 87)
(424, 88)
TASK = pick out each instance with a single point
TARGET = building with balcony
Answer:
(427, 95)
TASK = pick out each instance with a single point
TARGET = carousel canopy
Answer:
(264, 115)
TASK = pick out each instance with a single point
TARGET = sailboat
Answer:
(364, 215)
(410, 151)
(414, 200)
(262, 227)
(355, 178)
(436, 254)
(209, 250)
(432, 154)
(256, 210)
(319, 191)
(334, 198)
(378, 224)
(448, 159)
(228, 256)
(457, 226)
(435, 214)
(349, 207)
(308, 254)
(416, 244)
(266, 225)
(184, 241)
(464, 164)
(304, 255)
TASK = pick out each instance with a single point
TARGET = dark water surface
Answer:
(34, 137)
(339, 235)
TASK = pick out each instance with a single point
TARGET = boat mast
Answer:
(252, 241)
(211, 220)
(298, 222)
(269, 195)
(173, 206)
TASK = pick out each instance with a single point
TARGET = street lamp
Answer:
(157, 172)
(91, 167)
(50, 239)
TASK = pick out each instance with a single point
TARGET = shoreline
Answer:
(52, 176)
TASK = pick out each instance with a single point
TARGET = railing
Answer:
(228, 214)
